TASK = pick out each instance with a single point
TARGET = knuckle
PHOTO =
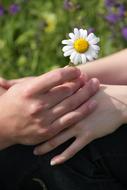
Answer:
(39, 122)
(46, 134)
(42, 133)
(35, 108)
(27, 92)
(69, 122)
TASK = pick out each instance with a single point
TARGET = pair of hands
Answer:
(35, 109)
(53, 108)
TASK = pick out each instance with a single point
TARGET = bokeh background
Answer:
(31, 31)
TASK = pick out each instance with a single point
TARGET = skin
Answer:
(39, 104)
(112, 104)
(109, 70)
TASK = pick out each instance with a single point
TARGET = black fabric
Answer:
(101, 165)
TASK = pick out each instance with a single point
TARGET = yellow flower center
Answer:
(81, 45)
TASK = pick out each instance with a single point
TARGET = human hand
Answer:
(6, 84)
(33, 108)
(110, 114)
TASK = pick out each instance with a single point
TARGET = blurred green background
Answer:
(31, 32)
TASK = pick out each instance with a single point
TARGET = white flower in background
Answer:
(81, 47)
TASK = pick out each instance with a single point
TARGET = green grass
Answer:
(30, 41)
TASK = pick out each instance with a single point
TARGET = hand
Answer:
(108, 116)
(33, 108)
(6, 84)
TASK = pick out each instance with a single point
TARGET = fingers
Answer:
(49, 80)
(75, 147)
(59, 93)
(73, 117)
(75, 100)
(4, 83)
(54, 142)
(15, 81)
(8, 83)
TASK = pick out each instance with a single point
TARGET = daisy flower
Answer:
(81, 47)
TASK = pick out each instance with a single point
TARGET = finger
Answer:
(15, 81)
(75, 100)
(4, 83)
(72, 118)
(75, 147)
(8, 83)
(54, 78)
(59, 93)
(54, 142)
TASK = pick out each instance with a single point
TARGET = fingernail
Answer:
(35, 152)
(92, 104)
(56, 161)
(53, 163)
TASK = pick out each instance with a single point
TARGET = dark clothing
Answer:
(101, 165)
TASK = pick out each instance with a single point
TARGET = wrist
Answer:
(122, 99)
(6, 139)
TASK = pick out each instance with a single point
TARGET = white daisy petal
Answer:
(83, 58)
(84, 34)
(91, 36)
(67, 42)
(95, 47)
(93, 53)
(72, 36)
(77, 59)
(89, 54)
(68, 53)
(95, 56)
(81, 31)
(66, 48)
(76, 32)
(89, 57)
(72, 57)
(94, 41)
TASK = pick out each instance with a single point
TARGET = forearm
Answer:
(109, 70)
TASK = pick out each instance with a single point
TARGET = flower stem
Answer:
(71, 64)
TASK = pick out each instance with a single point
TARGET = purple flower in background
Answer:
(91, 30)
(124, 32)
(121, 10)
(68, 5)
(1, 11)
(112, 18)
(109, 3)
(14, 8)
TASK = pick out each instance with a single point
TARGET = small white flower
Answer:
(81, 47)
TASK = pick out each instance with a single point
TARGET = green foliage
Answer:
(30, 41)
